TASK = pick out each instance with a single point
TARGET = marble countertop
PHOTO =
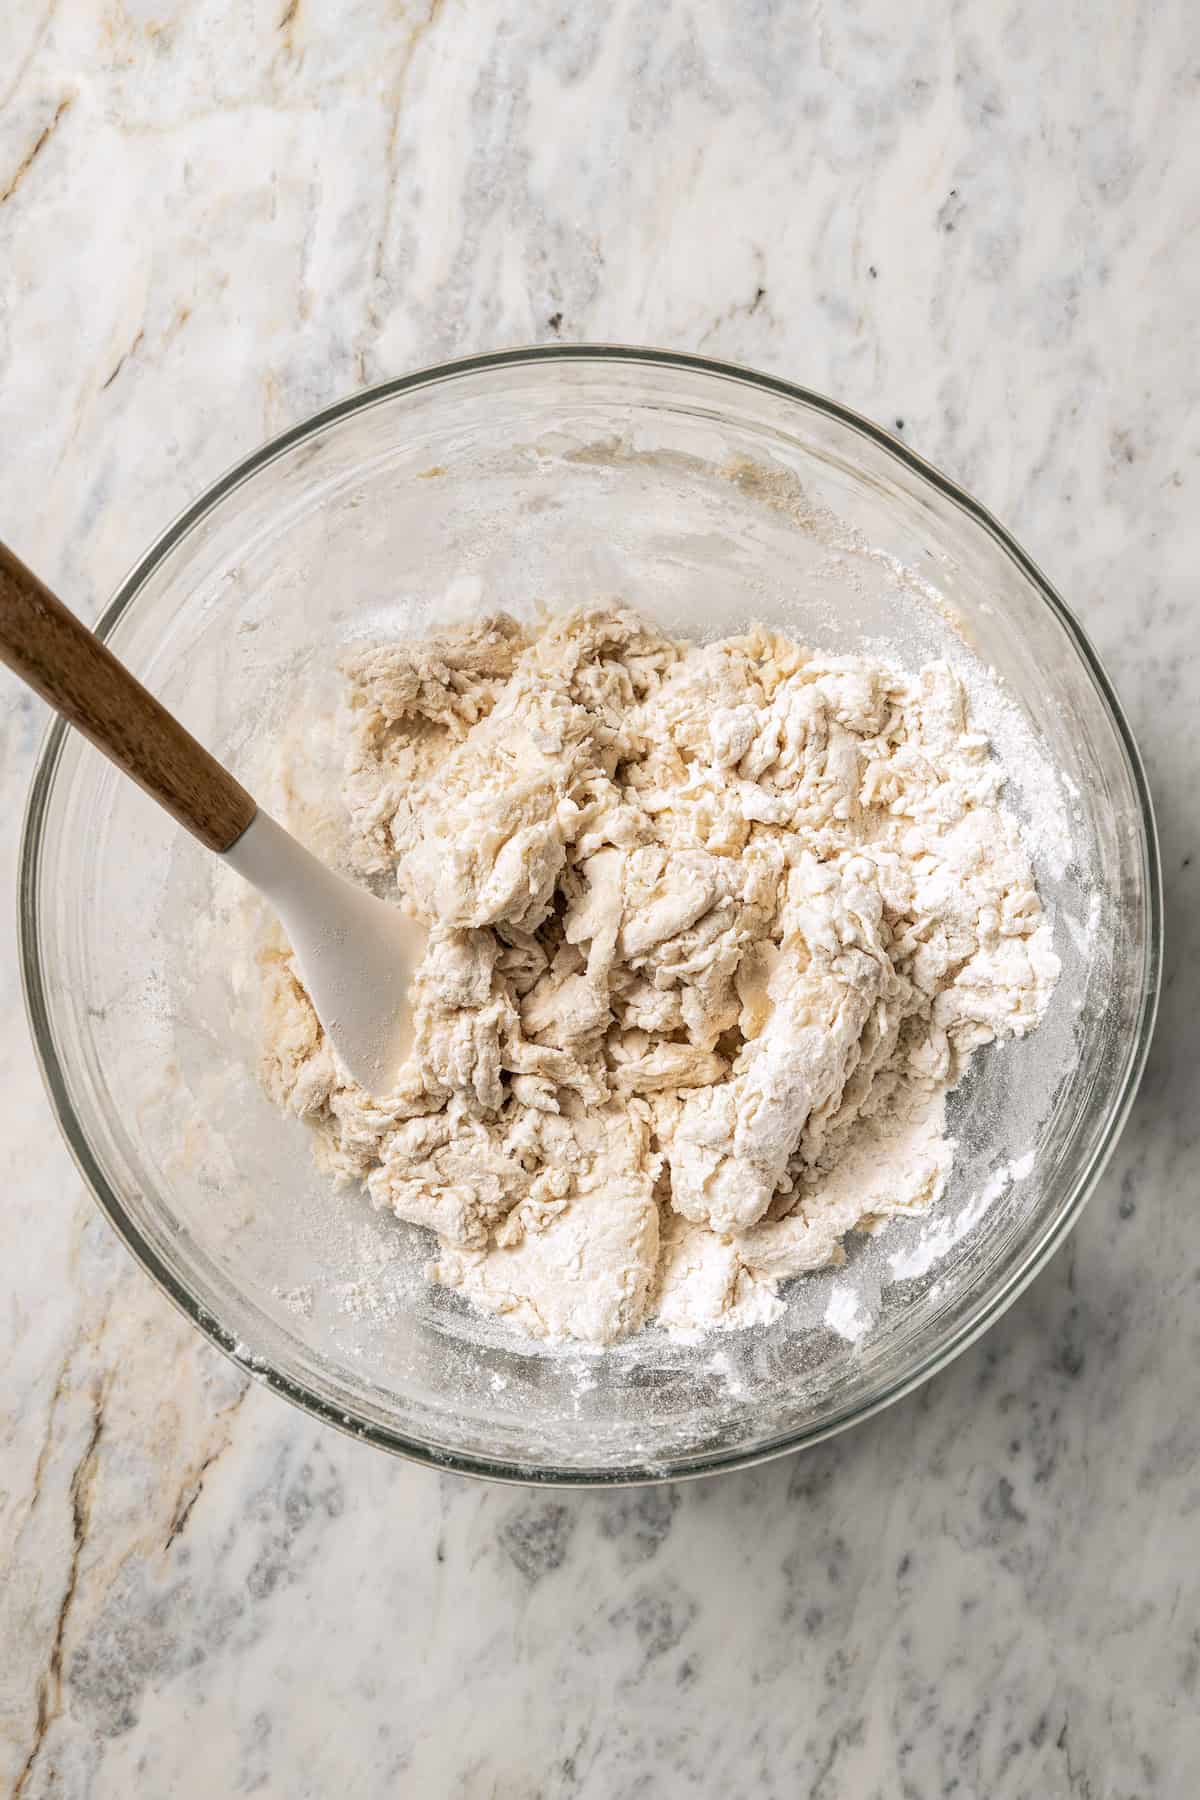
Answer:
(976, 223)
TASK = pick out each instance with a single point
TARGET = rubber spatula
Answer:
(355, 953)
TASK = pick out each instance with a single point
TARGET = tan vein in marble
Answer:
(121, 361)
(31, 156)
(81, 1489)
(43, 1456)
(740, 309)
(192, 1486)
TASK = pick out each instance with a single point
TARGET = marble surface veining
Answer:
(975, 222)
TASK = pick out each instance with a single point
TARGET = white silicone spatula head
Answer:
(355, 953)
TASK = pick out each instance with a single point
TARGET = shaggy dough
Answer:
(711, 932)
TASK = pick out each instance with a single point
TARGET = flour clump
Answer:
(712, 930)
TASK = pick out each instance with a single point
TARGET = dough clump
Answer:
(711, 932)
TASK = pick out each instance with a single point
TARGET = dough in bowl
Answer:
(712, 930)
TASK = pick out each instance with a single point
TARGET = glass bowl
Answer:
(707, 496)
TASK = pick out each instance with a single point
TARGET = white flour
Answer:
(712, 931)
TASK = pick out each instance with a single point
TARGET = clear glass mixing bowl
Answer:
(707, 496)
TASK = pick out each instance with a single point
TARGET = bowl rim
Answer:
(987, 1308)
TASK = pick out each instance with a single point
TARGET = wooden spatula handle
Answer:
(68, 666)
